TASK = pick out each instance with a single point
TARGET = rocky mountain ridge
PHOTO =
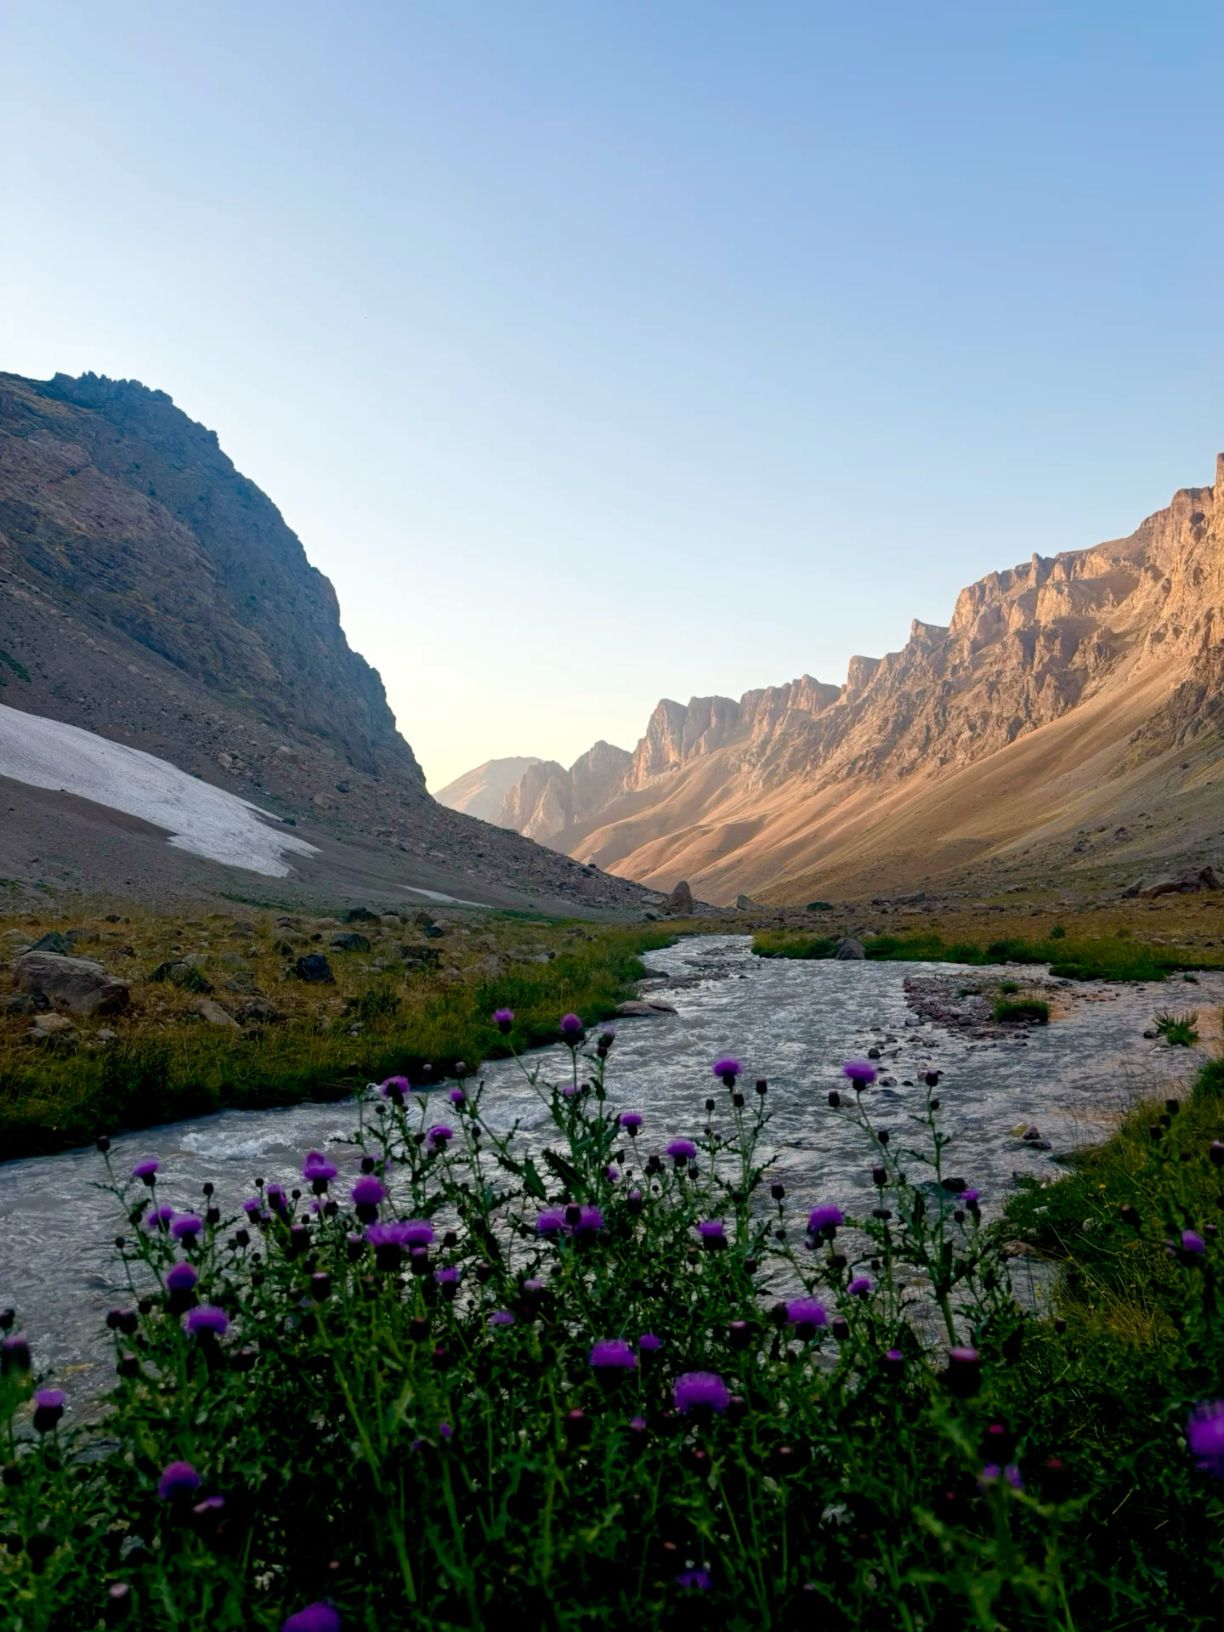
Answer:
(482, 792)
(1077, 671)
(153, 595)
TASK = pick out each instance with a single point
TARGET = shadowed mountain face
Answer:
(1068, 697)
(152, 594)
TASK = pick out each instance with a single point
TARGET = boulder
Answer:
(639, 1008)
(179, 972)
(76, 984)
(313, 968)
(54, 1031)
(258, 1012)
(349, 941)
(361, 915)
(209, 1009)
(55, 942)
(1188, 883)
(680, 899)
(745, 903)
(21, 1003)
(848, 947)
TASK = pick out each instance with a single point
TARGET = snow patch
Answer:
(201, 819)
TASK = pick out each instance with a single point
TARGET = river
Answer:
(791, 1022)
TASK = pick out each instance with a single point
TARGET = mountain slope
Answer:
(549, 800)
(151, 594)
(1081, 690)
(481, 792)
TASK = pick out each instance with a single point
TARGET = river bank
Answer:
(258, 1010)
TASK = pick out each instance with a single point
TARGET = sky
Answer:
(604, 352)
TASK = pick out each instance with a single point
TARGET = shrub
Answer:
(1022, 1008)
(1181, 1030)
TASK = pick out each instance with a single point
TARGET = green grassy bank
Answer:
(161, 1060)
(1073, 957)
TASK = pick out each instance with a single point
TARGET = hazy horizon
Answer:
(599, 355)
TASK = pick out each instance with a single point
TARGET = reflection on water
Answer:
(793, 1023)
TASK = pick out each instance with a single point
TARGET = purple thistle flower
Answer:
(252, 1206)
(649, 1343)
(181, 1278)
(590, 1219)
(15, 1358)
(314, 1618)
(207, 1322)
(277, 1198)
(613, 1355)
(825, 1220)
(682, 1150)
(418, 1232)
(146, 1171)
(179, 1479)
(395, 1088)
(457, 1096)
(712, 1229)
(631, 1120)
(439, 1136)
(806, 1312)
(572, 1029)
(448, 1275)
(186, 1227)
(368, 1191)
(317, 1169)
(861, 1287)
(727, 1069)
(158, 1218)
(445, 1430)
(551, 1222)
(503, 1019)
(700, 1391)
(992, 1473)
(1193, 1243)
(970, 1197)
(48, 1408)
(501, 1317)
(1205, 1437)
(860, 1072)
(695, 1580)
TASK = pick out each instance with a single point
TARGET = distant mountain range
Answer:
(1069, 721)
(152, 595)
(482, 792)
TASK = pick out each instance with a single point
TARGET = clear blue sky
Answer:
(603, 351)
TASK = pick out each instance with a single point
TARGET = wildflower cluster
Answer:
(458, 1376)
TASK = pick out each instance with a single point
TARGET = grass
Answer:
(1114, 956)
(386, 1013)
(1022, 1008)
(1117, 1276)
(1181, 1030)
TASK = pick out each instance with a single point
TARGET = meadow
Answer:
(415, 1001)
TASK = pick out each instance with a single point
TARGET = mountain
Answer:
(154, 597)
(481, 792)
(1070, 717)
(549, 800)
